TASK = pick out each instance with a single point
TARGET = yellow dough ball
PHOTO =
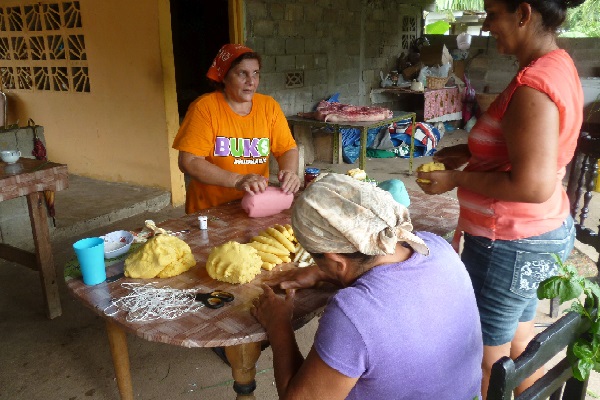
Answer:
(357, 174)
(428, 167)
(233, 262)
(162, 256)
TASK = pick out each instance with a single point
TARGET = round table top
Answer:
(232, 324)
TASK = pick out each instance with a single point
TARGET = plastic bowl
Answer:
(117, 243)
(10, 156)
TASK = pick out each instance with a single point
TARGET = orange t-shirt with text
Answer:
(235, 143)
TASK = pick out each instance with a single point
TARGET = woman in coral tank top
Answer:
(514, 209)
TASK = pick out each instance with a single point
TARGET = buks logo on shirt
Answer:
(257, 149)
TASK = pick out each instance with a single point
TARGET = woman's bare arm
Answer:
(288, 171)
(203, 171)
(530, 127)
(295, 377)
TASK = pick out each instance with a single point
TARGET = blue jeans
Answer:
(506, 274)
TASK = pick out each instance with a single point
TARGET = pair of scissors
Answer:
(216, 299)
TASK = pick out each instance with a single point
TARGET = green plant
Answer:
(584, 353)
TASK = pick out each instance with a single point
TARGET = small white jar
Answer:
(203, 222)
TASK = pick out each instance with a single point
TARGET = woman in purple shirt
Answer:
(404, 324)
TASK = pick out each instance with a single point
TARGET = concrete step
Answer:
(89, 204)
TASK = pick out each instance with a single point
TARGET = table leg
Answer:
(363, 148)
(336, 145)
(412, 144)
(43, 253)
(117, 339)
(243, 358)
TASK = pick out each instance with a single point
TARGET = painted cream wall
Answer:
(170, 92)
(123, 129)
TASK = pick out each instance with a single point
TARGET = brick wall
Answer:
(337, 45)
(343, 45)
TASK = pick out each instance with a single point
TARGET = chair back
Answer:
(581, 187)
(508, 374)
(581, 184)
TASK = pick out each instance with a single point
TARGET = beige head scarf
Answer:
(338, 214)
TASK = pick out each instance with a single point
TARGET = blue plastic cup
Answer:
(90, 254)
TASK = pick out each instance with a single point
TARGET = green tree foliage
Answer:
(583, 20)
(460, 5)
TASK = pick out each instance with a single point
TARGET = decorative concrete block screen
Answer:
(409, 31)
(42, 48)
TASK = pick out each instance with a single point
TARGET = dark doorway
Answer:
(200, 28)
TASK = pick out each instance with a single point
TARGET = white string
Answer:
(147, 302)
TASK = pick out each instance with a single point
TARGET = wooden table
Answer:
(232, 326)
(29, 178)
(362, 126)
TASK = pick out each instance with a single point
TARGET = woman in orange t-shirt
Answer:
(514, 211)
(227, 136)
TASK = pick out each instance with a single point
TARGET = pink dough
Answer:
(267, 203)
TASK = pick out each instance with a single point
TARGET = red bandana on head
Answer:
(226, 55)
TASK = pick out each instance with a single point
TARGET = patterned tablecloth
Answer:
(439, 104)
(442, 104)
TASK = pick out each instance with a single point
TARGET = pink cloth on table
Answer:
(441, 102)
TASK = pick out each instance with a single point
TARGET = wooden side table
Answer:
(29, 178)
(362, 126)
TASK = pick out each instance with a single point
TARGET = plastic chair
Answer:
(508, 374)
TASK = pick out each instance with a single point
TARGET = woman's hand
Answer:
(453, 157)
(271, 310)
(439, 181)
(290, 182)
(297, 278)
(251, 183)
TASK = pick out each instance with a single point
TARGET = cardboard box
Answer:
(458, 68)
(323, 145)
(435, 55)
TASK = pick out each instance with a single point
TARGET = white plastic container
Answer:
(203, 222)
(463, 41)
